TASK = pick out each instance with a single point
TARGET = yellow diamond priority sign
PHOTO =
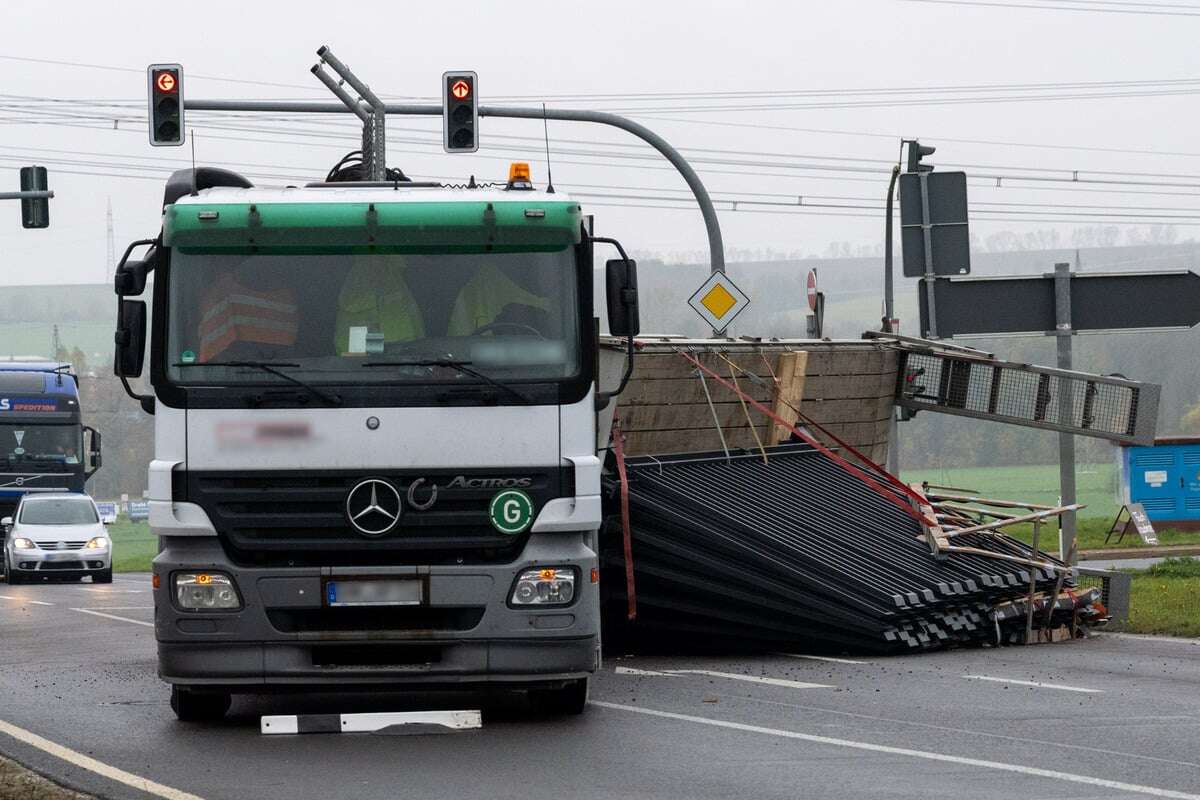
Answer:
(718, 300)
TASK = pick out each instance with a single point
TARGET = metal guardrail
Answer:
(1115, 589)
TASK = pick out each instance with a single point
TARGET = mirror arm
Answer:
(603, 398)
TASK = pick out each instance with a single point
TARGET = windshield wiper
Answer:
(273, 368)
(462, 366)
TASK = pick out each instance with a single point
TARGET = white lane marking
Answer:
(677, 673)
(632, 671)
(92, 765)
(121, 608)
(113, 616)
(1035, 684)
(1145, 637)
(1070, 777)
(1124, 722)
(110, 591)
(823, 658)
(24, 600)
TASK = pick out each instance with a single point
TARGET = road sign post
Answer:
(1063, 332)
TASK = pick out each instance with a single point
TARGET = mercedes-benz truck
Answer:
(376, 413)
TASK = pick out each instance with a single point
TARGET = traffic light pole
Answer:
(33, 195)
(716, 246)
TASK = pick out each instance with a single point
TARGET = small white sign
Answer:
(1156, 477)
(718, 301)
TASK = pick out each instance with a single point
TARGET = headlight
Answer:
(21, 543)
(544, 586)
(202, 591)
(97, 543)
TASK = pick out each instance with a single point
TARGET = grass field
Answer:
(1096, 484)
(133, 546)
(1165, 599)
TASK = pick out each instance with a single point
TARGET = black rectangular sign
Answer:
(950, 241)
(1112, 301)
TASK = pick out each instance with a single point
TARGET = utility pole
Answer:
(110, 267)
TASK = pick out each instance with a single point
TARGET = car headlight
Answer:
(544, 586)
(203, 591)
(21, 543)
(97, 543)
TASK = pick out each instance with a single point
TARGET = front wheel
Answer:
(568, 700)
(190, 706)
(103, 576)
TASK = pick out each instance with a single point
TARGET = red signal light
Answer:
(165, 81)
(461, 90)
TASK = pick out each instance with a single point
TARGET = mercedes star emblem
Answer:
(373, 507)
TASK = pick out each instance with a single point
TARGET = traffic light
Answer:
(166, 104)
(35, 213)
(917, 151)
(460, 112)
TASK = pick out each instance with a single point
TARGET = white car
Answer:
(56, 535)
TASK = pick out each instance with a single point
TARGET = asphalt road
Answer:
(1109, 717)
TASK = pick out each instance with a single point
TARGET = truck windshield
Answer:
(322, 317)
(48, 445)
(58, 511)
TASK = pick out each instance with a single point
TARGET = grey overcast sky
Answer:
(826, 134)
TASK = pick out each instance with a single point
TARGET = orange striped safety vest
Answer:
(232, 313)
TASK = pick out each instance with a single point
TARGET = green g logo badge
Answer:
(511, 511)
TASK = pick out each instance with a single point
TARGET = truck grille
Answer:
(300, 517)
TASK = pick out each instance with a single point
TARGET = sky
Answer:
(792, 111)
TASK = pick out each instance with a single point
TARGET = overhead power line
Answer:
(1147, 9)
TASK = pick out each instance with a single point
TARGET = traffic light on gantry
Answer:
(460, 112)
(35, 211)
(166, 104)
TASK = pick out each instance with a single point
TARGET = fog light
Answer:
(544, 586)
(203, 591)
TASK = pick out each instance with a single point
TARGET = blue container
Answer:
(1164, 478)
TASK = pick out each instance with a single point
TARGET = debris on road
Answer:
(793, 544)
(399, 722)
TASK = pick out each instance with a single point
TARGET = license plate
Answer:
(399, 592)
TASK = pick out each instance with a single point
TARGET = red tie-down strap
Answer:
(875, 486)
(626, 532)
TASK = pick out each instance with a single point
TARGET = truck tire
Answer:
(103, 576)
(190, 706)
(568, 700)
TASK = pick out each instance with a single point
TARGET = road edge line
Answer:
(1070, 777)
(92, 765)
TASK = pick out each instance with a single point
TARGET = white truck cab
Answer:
(375, 411)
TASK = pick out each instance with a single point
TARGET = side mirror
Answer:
(94, 458)
(6, 522)
(130, 278)
(621, 288)
(130, 339)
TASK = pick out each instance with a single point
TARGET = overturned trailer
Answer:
(745, 506)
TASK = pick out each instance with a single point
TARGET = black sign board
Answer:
(1101, 301)
(949, 239)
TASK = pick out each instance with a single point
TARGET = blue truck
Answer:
(44, 445)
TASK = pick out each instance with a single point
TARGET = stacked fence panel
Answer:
(795, 550)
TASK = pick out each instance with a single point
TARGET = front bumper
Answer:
(465, 633)
(65, 563)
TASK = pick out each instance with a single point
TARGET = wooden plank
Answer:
(664, 442)
(833, 387)
(791, 375)
(670, 416)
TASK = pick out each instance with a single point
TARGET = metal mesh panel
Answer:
(1090, 405)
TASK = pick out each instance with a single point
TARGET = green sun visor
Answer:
(417, 227)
